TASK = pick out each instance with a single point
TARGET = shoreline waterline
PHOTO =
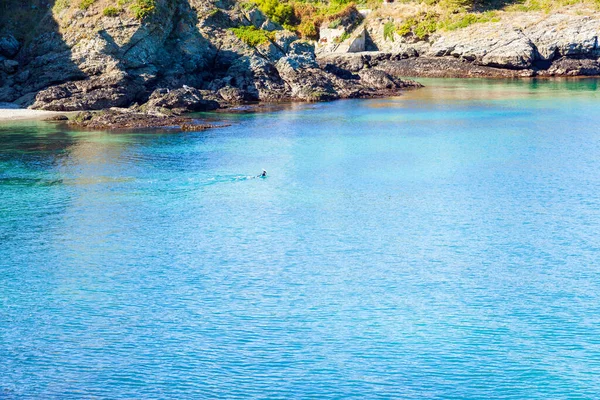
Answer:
(25, 114)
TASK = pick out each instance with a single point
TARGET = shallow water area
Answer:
(441, 244)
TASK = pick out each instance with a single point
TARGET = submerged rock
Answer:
(117, 119)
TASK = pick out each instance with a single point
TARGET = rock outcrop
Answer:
(134, 118)
(520, 44)
(184, 57)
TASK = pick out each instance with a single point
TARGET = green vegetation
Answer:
(281, 13)
(111, 11)
(548, 5)
(253, 36)
(306, 17)
(420, 25)
(61, 5)
(425, 23)
(342, 37)
(435, 15)
(458, 6)
(388, 31)
(467, 19)
(335, 23)
(141, 9)
(85, 4)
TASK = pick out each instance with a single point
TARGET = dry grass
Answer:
(421, 19)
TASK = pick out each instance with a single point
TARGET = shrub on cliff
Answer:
(278, 12)
(143, 8)
(305, 18)
(140, 8)
(388, 31)
(85, 4)
(253, 36)
(111, 12)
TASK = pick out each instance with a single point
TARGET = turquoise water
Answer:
(444, 244)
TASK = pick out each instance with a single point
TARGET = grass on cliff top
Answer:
(304, 17)
(253, 36)
(426, 23)
(85, 4)
(548, 6)
(423, 18)
(140, 9)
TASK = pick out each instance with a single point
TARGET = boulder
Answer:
(379, 80)
(97, 93)
(257, 77)
(573, 67)
(233, 95)
(305, 79)
(9, 66)
(9, 46)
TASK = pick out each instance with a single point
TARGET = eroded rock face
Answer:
(521, 42)
(184, 58)
(305, 79)
(529, 43)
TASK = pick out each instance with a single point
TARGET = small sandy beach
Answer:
(18, 114)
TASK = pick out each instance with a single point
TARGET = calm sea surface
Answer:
(443, 244)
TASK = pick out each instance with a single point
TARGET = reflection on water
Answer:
(500, 89)
(440, 244)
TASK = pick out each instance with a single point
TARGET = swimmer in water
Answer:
(263, 174)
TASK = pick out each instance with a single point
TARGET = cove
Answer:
(441, 244)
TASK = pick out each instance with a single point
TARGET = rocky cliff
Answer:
(62, 57)
(515, 44)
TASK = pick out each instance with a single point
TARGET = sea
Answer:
(442, 244)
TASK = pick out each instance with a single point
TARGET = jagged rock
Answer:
(185, 99)
(573, 67)
(256, 17)
(9, 46)
(57, 118)
(306, 80)
(259, 78)
(233, 95)
(285, 39)
(302, 47)
(194, 127)
(81, 60)
(493, 45)
(347, 62)
(9, 66)
(270, 26)
(115, 90)
(526, 42)
(379, 80)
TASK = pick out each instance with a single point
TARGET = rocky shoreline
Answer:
(186, 57)
(525, 44)
(400, 64)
